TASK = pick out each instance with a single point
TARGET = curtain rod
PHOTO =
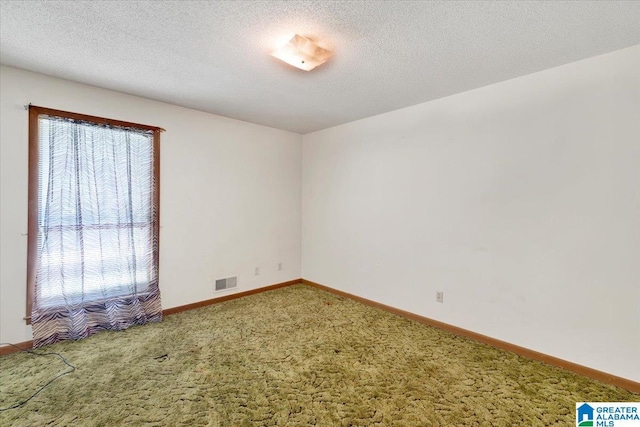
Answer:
(94, 118)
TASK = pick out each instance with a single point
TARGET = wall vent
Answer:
(228, 283)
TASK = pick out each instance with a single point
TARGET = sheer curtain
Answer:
(97, 250)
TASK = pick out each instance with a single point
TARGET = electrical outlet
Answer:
(279, 266)
(257, 271)
(439, 296)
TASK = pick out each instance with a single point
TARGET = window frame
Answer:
(34, 149)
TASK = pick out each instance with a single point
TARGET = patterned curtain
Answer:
(97, 251)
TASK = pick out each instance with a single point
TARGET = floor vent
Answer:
(228, 283)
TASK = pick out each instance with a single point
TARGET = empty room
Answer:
(329, 213)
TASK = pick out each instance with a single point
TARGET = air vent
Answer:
(228, 283)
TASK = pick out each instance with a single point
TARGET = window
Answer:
(93, 222)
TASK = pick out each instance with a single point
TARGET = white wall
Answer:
(230, 193)
(520, 200)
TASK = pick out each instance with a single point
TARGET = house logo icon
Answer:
(585, 415)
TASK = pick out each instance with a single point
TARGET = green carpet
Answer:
(296, 356)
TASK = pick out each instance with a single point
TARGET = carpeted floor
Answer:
(296, 356)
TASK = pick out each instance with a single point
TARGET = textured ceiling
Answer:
(214, 56)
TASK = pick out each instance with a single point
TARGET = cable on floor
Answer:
(30, 351)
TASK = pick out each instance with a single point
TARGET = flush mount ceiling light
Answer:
(302, 53)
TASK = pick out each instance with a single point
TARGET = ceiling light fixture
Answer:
(302, 53)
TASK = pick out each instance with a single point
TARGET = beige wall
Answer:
(520, 201)
(230, 193)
